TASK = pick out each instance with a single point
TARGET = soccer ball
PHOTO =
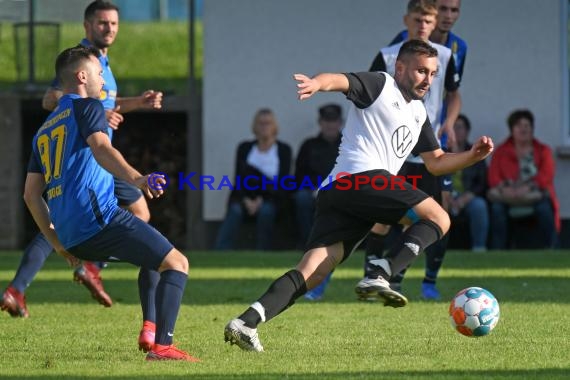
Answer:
(474, 312)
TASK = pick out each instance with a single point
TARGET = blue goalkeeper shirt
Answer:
(79, 192)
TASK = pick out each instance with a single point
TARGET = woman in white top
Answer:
(253, 197)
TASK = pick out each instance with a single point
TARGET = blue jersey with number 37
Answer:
(79, 192)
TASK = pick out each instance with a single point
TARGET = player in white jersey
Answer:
(420, 21)
(386, 122)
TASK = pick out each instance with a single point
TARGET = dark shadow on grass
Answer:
(214, 291)
(531, 259)
(224, 291)
(551, 259)
(547, 373)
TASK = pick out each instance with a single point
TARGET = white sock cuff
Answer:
(260, 310)
(386, 266)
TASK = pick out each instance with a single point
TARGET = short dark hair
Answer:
(99, 5)
(330, 112)
(424, 7)
(416, 47)
(465, 120)
(69, 59)
(516, 115)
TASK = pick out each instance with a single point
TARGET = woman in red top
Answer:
(521, 183)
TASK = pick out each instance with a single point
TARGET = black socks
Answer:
(281, 294)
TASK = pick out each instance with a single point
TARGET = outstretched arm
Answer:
(439, 162)
(321, 82)
(149, 99)
(113, 161)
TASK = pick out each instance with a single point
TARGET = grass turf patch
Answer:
(69, 336)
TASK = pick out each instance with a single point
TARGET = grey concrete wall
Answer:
(11, 190)
(253, 47)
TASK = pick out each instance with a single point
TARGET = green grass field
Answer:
(144, 55)
(70, 337)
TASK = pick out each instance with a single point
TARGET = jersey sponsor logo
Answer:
(402, 141)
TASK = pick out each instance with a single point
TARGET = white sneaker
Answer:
(236, 332)
(374, 289)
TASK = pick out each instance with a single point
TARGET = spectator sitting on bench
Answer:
(469, 188)
(263, 157)
(521, 183)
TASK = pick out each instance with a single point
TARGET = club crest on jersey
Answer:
(402, 141)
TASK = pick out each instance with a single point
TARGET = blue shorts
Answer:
(126, 238)
(126, 193)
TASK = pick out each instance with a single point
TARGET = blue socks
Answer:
(32, 261)
(168, 298)
(434, 259)
(148, 282)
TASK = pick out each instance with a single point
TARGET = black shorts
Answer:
(126, 193)
(427, 182)
(347, 210)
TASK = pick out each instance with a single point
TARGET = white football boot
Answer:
(236, 332)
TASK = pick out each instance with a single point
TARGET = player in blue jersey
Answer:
(101, 22)
(73, 164)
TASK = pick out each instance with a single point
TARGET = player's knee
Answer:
(429, 209)
(175, 260)
(442, 220)
(380, 229)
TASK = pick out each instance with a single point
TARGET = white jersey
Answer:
(381, 128)
(433, 100)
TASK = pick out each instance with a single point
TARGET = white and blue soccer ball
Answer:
(474, 312)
